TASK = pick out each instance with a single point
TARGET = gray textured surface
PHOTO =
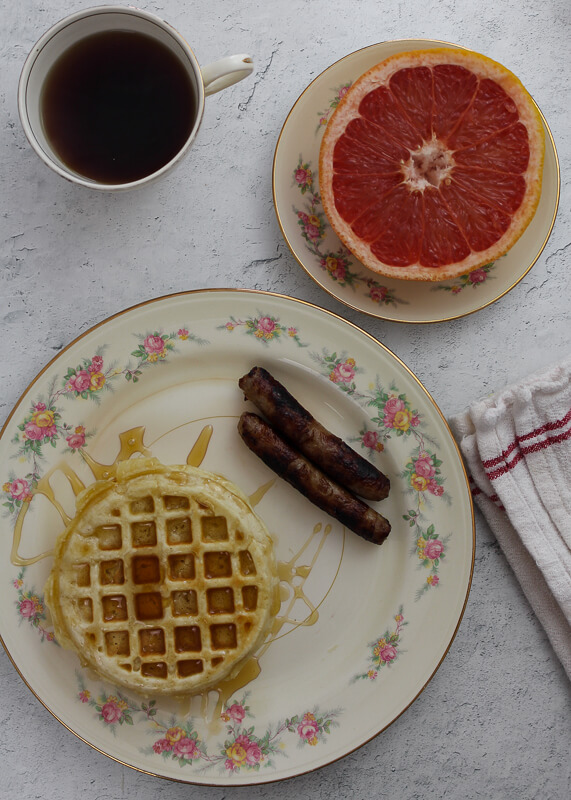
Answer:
(495, 720)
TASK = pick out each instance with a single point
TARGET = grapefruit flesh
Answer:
(431, 165)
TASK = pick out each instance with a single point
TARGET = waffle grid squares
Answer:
(166, 581)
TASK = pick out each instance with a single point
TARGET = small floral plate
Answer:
(321, 253)
(361, 629)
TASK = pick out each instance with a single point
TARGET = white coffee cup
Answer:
(66, 33)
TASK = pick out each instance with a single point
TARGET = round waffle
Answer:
(165, 580)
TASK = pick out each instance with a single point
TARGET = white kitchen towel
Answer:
(517, 447)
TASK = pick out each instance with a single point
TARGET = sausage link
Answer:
(330, 453)
(290, 465)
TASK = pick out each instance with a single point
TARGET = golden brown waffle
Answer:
(165, 580)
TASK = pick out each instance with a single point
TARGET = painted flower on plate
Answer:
(243, 752)
(80, 382)
(31, 607)
(186, 748)
(398, 416)
(266, 327)
(86, 379)
(336, 265)
(303, 177)
(370, 440)
(111, 711)
(378, 293)
(385, 650)
(154, 345)
(76, 439)
(174, 735)
(423, 473)
(308, 728)
(236, 713)
(477, 276)
(97, 381)
(433, 549)
(96, 364)
(343, 372)
(41, 425)
(18, 489)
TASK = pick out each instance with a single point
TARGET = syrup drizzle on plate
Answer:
(292, 574)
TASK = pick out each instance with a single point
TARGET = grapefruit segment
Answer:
(502, 190)
(412, 88)
(361, 152)
(357, 193)
(397, 207)
(508, 151)
(453, 91)
(382, 109)
(443, 238)
(490, 111)
(431, 165)
(481, 223)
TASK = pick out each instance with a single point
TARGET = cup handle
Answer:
(226, 72)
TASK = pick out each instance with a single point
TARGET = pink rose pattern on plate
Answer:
(337, 264)
(395, 417)
(87, 379)
(422, 472)
(111, 709)
(472, 279)
(430, 549)
(323, 116)
(44, 424)
(265, 328)
(385, 650)
(31, 608)
(17, 491)
(244, 748)
(179, 742)
(340, 368)
(155, 348)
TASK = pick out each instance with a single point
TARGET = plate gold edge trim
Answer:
(371, 313)
(455, 447)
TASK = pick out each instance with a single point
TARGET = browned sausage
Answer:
(327, 451)
(290, 465)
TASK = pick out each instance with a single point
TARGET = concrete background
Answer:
(495, 720)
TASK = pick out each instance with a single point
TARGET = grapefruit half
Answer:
(431, 165)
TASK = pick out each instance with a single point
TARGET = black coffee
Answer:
(117, 106)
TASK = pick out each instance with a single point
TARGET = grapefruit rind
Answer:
(348, 110)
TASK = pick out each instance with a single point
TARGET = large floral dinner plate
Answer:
(361, 628)
(328, 262)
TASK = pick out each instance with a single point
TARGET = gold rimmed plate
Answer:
(322, 255)
(361, 629)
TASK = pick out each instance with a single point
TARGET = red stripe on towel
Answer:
(534, 448)
(548, 426)
(475, 491)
